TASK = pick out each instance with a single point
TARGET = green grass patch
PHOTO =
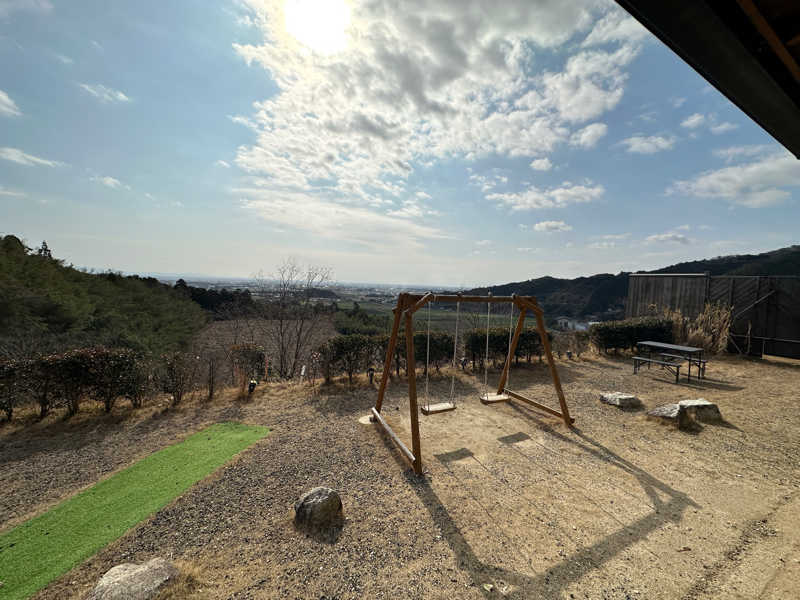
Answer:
(45, 547)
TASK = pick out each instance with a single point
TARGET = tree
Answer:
(289, 318)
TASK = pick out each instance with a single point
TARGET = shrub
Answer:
(627, 333)
(441, 347)
(351, 352)
(178, 374)
(475, 344)
(113, 373)
(11, 386)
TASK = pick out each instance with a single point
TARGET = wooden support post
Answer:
(403, 448)
(420, 303)
(511, 349)
(412, 394)
(387, 365)
(553, 371)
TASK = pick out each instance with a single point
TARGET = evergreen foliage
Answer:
(47, 306)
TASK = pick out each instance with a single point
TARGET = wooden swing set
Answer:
(407, 305)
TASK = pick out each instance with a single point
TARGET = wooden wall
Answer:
(766, 310)
(684, 292)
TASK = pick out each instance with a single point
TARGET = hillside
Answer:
(606, 293)
(47, 305)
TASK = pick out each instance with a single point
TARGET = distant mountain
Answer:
(605, 294)
(785, 261)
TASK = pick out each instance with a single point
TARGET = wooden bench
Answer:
(670, 365)
(700, 362)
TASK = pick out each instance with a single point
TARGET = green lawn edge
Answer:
(43, 548)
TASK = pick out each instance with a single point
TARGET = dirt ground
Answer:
(513, 504)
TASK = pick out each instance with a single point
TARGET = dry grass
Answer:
(512, 504)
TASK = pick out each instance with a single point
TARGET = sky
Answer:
(449, 142)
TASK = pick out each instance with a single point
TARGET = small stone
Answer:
(702, 409)
(131, 581)
(620, 399)
(318, 507)
(488, 587)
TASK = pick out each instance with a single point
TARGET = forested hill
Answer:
(598, 294)
(785, 261)
(46, 305)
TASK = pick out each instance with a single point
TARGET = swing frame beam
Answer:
(407, 305)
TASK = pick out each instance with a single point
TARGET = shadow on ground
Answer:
(558, 578)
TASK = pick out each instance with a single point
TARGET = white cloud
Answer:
(105, 94)
(487, 182)
(640, 144)
(8, 7)
(329, 219)
(8, 107)
(589, 135)
(615, 236)
(527, 249)
(677, 102)
(755, 184)
(559, 197)
(483, 243)
(541, 164)
(604, 245)
(423, 82)
(18, 156)
(616, 26)
(552, 226)
(723, 127)
(412, 208)
(109, 182)
(732, 153)
(693, 121)
(64, 59)
(683, 227)
(423, 196)
(678, 238)
(6, 192)
(222, 163)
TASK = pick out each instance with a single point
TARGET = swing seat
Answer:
(432, 409)
(490, 398)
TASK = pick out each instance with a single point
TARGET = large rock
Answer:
(672, 413)
(702, 409)
(320, 507)
(130, 581)
(620, 399)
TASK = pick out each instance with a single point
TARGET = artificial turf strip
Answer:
(43, 548)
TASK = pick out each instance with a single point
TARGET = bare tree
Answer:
(290, 319)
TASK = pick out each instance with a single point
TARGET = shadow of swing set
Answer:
(407, 305)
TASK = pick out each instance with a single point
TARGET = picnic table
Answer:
(671, 356)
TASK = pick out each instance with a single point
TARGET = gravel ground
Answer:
(512, 504)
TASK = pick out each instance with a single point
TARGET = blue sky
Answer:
(426, 142)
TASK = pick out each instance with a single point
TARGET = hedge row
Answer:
(108, 374)
(352, 353)
(626, 334)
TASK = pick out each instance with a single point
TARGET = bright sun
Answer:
(319, 24)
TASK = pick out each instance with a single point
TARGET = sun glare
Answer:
(320, 25)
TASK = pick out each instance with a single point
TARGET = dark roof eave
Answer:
(695, 33)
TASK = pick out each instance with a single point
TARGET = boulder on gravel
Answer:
(620, 399)
(130, 581)
(702, 409)
(319, 507)
(671, 413)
